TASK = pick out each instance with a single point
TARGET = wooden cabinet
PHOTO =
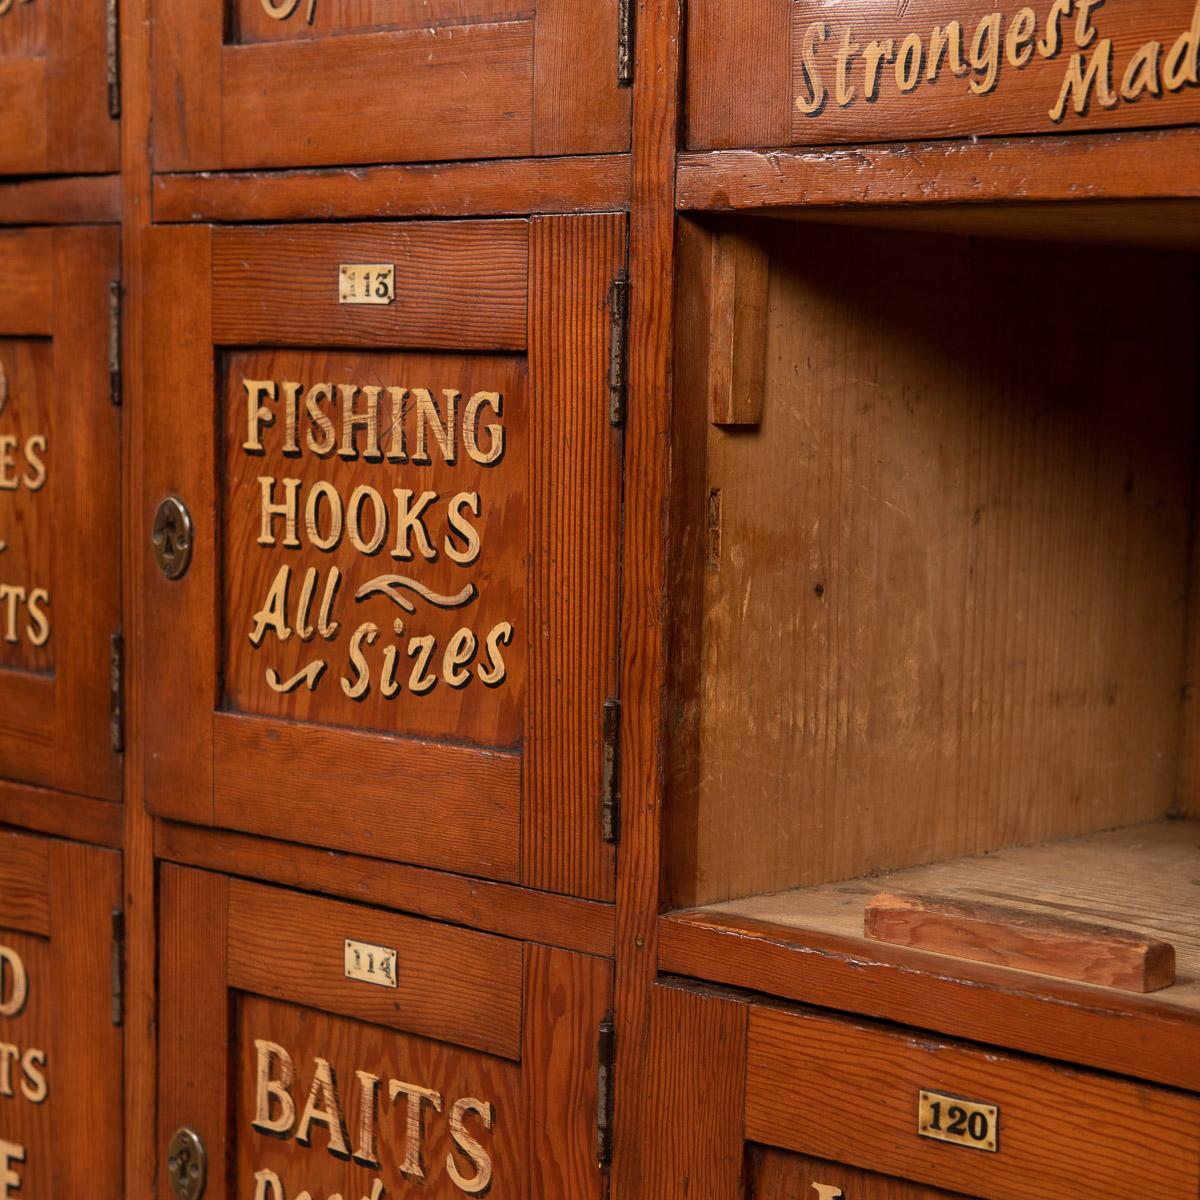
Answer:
(781, 73)
(902, 1112)
(60, 1019)
(397, 631)
(60, 522)
(58, 88)
(270, 83)
(321, 1046)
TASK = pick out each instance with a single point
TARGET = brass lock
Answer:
(172, 538)
(187, 1164)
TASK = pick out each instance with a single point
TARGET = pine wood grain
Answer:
(455, 985)
(580, 925)
(193, 1021)
(185, 84)
(1008, 937)
(25, 871)
(462, 92)
(1057, 1019)
(578, 106)
(765, 109)
(567, 996)
(177, 738)
(656, 87)
(956, 553)
(512, 187)
(848, 1092)
(61, 201)
(55, 700)
(573, 548)
(440, 804)
(694, 1124)
(1113, 166)
(61, 814)
(459, 285)
(349, 1046)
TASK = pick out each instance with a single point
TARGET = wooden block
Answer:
(737, 346)
(1088, 953)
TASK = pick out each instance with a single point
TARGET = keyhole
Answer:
(172, 537)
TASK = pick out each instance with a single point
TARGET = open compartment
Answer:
(935, 615)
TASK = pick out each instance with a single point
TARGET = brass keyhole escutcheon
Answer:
(172, 538)
(187, 1164)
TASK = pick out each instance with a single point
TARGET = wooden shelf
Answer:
(1072, 187)
(808, 944)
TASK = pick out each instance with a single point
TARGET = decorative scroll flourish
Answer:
(309, 677)
(391, 585)
(280, 10)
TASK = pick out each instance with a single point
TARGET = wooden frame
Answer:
(484, 79)
(54, 87)
(516, 1022)
(57, 901)
(730, 1075)
(56, 700)
(529, 812)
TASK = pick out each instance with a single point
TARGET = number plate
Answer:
(371, 964)
(960, 1122)
(366, 283)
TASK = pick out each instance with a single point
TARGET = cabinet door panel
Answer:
(267, 85)
(60, 531)
(54, 89)
(60, 1041)
(811, 74)
(400, 611)
(317, 1078)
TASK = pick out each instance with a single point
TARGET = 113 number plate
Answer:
(960, 1122)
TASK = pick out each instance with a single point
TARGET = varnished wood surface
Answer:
(61, 814)
(55, 697)
(459, 285)
(1120, 166)
(692, 1137)
(1113, 1031)
(848, 1092)
(504, 188)
(77, 200)
(467, 82)
(814, 75)
(779, 1175)
(657, 101)
(581, 925)
(62, 1083)
(453, 984)
(575, 478)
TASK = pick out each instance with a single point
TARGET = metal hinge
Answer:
(114, 342)
(118, 966)
(112, 30)
(607, 1051)
(610, 772)
(116, 693)
(618, 362)
(625, 19)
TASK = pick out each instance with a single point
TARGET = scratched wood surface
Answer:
(810, 74)
(848, 1092)
(476, 79)
(920, 571)
(60, 515)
